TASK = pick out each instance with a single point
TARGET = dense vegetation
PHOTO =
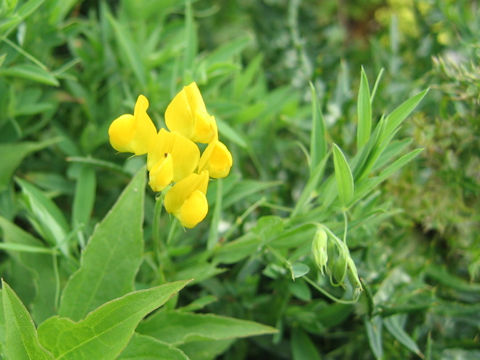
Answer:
(354, 131)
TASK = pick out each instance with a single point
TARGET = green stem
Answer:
(171, 231)
(158, 245)
(345, 229)
(327, 294)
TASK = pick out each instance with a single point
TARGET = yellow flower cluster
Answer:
(173, 155)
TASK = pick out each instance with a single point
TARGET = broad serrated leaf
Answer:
(343, 176)
(106, 330)
(364, 112)
(13, 154)
(112, 257)
(31, 253)
(143, 347)
(21, 340)
(176, 327)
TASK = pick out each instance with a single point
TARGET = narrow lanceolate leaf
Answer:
(374, 334)
(46, 217)
(190, 38)
(308, 192)
(112, 257)
(30, 72)
(343, 176)
(107, 330)
(176, 327)
(129, 49)
(13, 154)
(393, 326)
(21, 341)
(318, 142)
(364, 112)
(143, 347)
(397, 116)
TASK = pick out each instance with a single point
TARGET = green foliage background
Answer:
(68, 68)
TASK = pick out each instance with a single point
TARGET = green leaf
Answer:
(206, 350)
(13, 154)
(191, 41)
(30, 252)
(84, 196)
(393, 326)
(228, 50)
(236, 250)
(112, 257)
(302, 347)
(143, 347)
(128, 49)
(21, 341)
(364, 112)
(397, 116)
(107, 329)
(343, 176)
(45, 216)
(308, 192)
(23, 12)
(318, 142)
(30, 72)
(374, 334)
(299, 270)
(176, 327)
(26, 248)
(399, 163)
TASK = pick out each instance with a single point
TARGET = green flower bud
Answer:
(353, 275)
(337, 266)
(319, 249)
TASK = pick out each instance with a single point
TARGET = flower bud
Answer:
(319, 249)
(337, 266)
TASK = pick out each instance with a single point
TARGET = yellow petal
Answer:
(182, 190)
(195, 97)
(205, 127)
(216, 159)
(161, 174)
(188, 115)
(193, 210)
(121, 133)
(133, 133)
(162, 144)
(178, 116)
(185, 153)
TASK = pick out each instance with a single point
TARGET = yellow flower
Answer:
(171, 157)
(133, 133)
(216, 159)
(188, 115)
(187, 199)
